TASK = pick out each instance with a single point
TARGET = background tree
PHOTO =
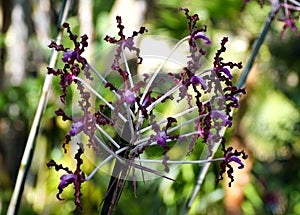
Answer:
(267, 124)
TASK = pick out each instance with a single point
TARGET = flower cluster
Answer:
(77, 177)
(230, 156)
(289, 13)
(206, 98)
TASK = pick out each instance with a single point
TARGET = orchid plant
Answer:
(144, 124)
(206, 98)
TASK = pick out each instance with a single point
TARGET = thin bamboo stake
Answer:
(30, 145)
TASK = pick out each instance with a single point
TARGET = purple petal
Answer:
(219, 114)
(129, 97)
(291, 23)
(227, 72)
(237, 160)
(65, 180)
(76, 128)
(161, 141)
(195, 80)
(203, 37)
(70, 55)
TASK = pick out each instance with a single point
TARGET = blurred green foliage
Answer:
(268, 122)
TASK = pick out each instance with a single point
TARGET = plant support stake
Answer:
(29, 148)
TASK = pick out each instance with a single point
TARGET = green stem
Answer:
(30, 144)
(259, 41)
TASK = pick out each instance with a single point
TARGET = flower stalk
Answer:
(207, 97)
(276, 6)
